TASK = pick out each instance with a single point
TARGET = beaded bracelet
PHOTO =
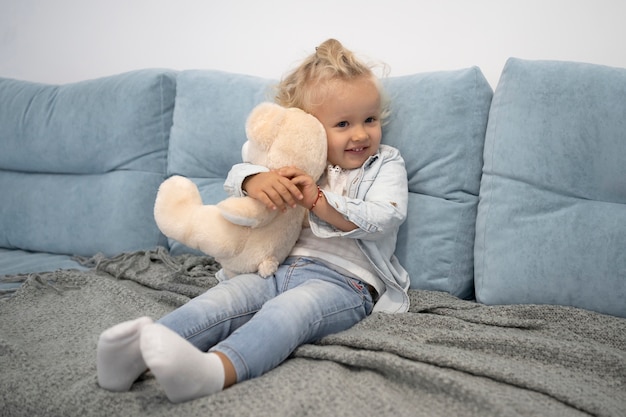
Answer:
(319, 194)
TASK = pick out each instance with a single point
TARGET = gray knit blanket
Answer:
(446, 357)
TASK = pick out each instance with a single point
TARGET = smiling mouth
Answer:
(356, 150)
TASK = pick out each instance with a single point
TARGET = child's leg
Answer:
(300, 315)
(119, 359)
(311, 310)
(174, 348)
(212, 316)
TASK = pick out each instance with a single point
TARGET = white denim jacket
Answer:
(376, 202)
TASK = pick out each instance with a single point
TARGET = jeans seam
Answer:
(295, 264)
(228, 350)
(225, 319)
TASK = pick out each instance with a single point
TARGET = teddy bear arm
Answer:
(246, 211)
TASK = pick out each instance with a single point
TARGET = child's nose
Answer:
(359, 133)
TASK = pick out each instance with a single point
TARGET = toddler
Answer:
(341, 269)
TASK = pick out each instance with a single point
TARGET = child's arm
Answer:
(314, 200)
(326, 212)
(276, 191)
(236, 176)
(376, 214)
(256, 181)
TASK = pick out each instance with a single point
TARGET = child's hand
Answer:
(274, 190)
(309, 191)
(304, 182)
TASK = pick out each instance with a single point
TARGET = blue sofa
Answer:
(517, 196)
(541, 220)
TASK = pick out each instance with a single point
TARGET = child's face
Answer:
(350, 113)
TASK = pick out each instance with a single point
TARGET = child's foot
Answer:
(119, 359)
(184, 372)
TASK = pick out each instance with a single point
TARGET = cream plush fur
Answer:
(240, 232)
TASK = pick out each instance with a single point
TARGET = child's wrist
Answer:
(244, 184)
(318, 196)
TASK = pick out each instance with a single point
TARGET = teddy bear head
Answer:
(279, 136)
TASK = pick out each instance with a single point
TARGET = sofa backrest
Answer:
(551, 225)
(80, 163)
(438, 122)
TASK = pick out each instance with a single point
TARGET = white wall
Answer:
(61, 41)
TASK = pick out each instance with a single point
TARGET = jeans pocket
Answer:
(360, 287)
(367, 294)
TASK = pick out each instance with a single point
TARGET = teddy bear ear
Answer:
(264, 122)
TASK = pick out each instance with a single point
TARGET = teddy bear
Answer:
(241, 233)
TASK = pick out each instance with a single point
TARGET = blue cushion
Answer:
(438, 122)
(209, 121)
(81, 163)
(209, 129)
(15, 261)
(551, 224)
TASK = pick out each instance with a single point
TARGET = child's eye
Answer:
(370, 120)
(342, 124)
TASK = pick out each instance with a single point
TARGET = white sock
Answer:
(119, 359)
(184, 372)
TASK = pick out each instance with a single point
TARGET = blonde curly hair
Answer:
(307, 85)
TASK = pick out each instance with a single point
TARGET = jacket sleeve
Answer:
(381, 210)
(237, 174)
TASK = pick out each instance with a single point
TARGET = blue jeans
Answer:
(257, 323)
